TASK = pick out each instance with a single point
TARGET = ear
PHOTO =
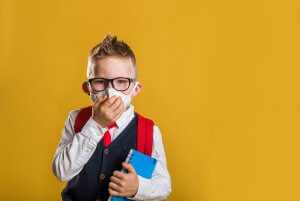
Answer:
(85, 88)
(137, 89)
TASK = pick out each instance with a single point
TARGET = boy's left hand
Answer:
(124, 185)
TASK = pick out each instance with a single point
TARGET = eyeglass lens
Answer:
(120, 84)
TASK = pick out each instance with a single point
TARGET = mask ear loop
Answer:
(133, 89)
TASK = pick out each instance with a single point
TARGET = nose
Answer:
(109, 85)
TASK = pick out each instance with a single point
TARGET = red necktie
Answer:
(107, 137)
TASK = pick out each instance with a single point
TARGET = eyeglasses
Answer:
(118, 83)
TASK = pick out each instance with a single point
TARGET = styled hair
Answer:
(110, 47)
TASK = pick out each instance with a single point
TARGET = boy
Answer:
(92, 152)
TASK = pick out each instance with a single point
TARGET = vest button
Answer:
(102, 176)
(106, 151)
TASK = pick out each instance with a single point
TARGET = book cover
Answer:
(144, 166)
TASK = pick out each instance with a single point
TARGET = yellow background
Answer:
(220, 78)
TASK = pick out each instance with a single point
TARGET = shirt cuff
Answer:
(93, 130)
(142, 188)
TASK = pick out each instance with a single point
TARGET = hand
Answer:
(124, 185)
(107, 110)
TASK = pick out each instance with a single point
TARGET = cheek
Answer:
(127, 92)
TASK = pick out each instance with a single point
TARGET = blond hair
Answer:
(110, 47)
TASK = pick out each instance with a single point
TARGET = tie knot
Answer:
(113, 124)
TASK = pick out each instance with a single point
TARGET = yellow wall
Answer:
(220, 78)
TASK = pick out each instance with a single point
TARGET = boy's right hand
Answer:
(107, 110)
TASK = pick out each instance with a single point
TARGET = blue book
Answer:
(144, 166)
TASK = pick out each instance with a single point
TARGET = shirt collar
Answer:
(125, 116)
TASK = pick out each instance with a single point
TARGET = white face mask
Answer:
(111, 92)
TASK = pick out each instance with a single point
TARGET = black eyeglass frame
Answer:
(130, 80)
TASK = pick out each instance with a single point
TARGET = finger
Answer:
(100, 99)
(109, 101)
(117, 116)
(114, 186)
(116, 180)
(119, 175)
(118, 112)
(112, 192)
(128, 167)
(116, 104)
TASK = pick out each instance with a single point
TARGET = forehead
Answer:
(111, 67)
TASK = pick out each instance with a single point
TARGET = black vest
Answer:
(92, 182)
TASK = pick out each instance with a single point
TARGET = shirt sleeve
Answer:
(74, 150)
(159, 186)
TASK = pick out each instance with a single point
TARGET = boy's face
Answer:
(112, 67)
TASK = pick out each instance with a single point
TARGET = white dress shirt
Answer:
(74, 151)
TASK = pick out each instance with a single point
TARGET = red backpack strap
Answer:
(82, 117)
(144, 135)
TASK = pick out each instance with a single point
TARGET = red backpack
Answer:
(144, 129)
